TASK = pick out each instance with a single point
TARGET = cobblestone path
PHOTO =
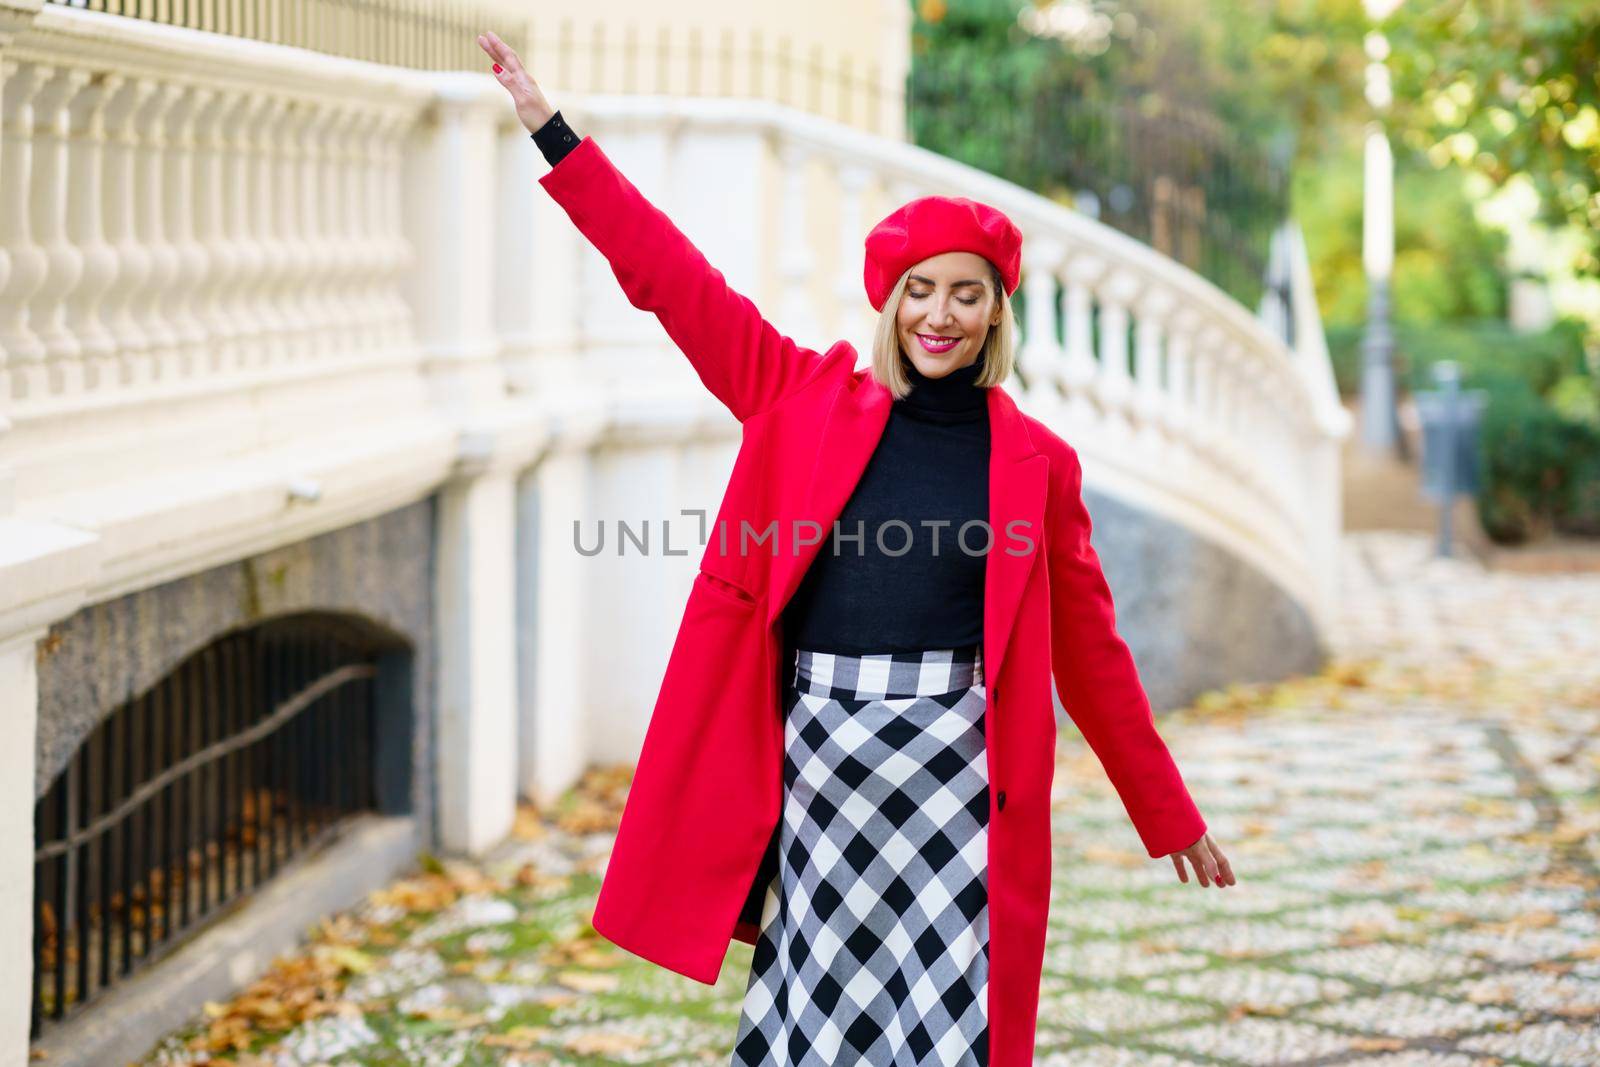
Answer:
(1415, 835)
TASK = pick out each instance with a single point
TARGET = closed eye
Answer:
(962, 299)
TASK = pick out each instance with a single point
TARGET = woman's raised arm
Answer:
(741, 358)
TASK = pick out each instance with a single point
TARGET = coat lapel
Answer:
(1018, 480)
(1018, 474)
(845, 441)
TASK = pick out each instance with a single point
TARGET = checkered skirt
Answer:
(874, 934)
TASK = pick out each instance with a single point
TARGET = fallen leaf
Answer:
(597, 1043)
(585, 982)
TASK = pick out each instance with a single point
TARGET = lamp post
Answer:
(1380, 424)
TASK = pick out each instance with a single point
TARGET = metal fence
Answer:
(192, 794)
(421, 34)
(1174, 178)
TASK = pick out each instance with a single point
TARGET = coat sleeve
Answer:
(1098, 682)
(745, 362)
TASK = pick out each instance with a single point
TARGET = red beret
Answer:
(931, 225)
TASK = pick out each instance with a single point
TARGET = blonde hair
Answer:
(999, 346)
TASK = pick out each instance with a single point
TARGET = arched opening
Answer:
(190, 795)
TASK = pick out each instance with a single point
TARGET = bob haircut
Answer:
(999, 347)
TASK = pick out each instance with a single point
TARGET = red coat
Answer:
(706, 795)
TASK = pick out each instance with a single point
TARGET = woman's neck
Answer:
(952, 394)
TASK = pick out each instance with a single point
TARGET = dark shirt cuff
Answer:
(555, 139)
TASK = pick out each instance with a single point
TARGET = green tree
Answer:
(1507, 87)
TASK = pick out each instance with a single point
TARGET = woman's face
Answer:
(949, 296)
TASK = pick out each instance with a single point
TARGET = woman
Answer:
(844, 824)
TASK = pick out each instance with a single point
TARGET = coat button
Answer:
(1000, 802)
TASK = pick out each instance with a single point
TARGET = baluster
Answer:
(1261, 435)
(1115, 385)
(1254, 433)
(1230, 393)
(293, 204)
(84, 304)
(1248, 431)
(1078, 367)
(1149, 335)
(1040, 355)
(245, 301)
(1278, 437)
(341, 330)
(1178, 409)
(63, 260)
(1205, 429)
(1224, 381)
(132, 258)
(23, 348)
(356, 235)
(271, 193)
(1178, 413)
(366, 232)
(154, 361)
(193, 259)
(210, 231)
(395, 249)
(316, 343)
(794, 254)
(854, 317)
(332, 331)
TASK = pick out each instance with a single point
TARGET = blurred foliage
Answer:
(1539, 438)
(1448, 266)
(1542, 469)
(1265, 69)
(1507, 88)
(1492, 356)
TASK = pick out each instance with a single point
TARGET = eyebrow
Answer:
(930, 281)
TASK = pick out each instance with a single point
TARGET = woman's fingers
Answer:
(491, 43)
(1210, 865)
(509, 71)
(510, 60)
(503, 58)
(502, 54)
(1225, 871)
(532, 107)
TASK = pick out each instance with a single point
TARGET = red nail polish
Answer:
(497, 68)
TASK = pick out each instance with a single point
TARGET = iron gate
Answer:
(191, 795)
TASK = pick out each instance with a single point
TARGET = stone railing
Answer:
(202, 262)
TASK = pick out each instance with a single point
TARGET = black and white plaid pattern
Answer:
(874, 943)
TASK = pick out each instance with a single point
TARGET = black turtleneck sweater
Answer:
(907, 583)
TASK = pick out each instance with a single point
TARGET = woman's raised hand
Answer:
(532, 108)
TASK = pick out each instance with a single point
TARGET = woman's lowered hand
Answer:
(1208, 861)
(532, 108)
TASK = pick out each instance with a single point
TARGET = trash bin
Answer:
(1450, 421)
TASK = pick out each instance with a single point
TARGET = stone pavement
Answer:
(1414, 834)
